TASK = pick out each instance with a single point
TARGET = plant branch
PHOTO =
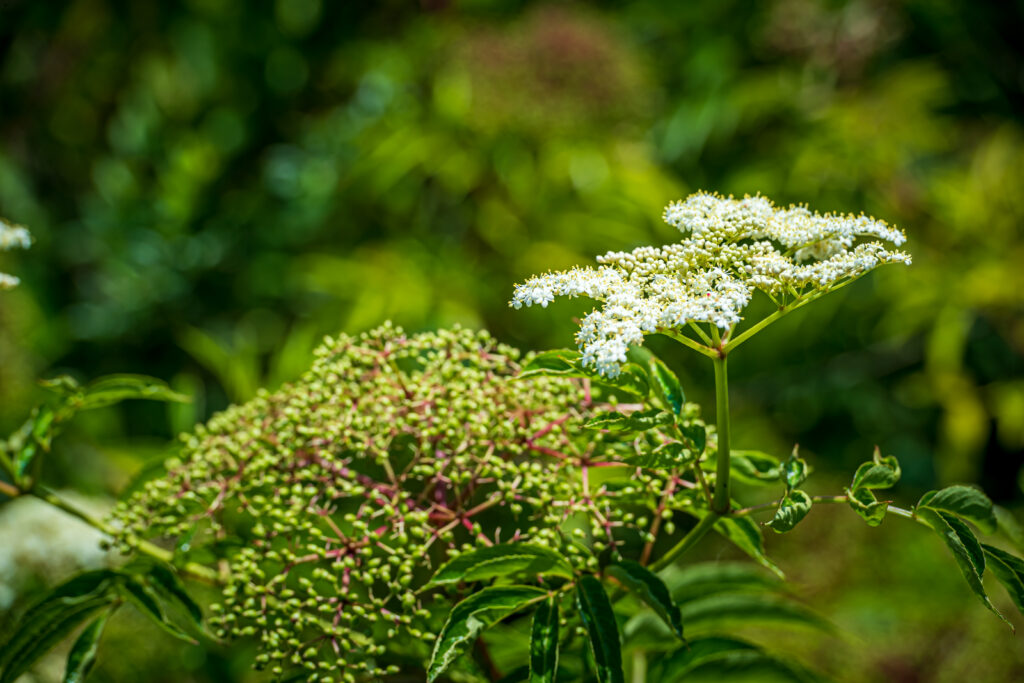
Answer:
(720, 502)
(689, 343)
(192, 570)
(688, 541)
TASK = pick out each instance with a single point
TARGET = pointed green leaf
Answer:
(865, 504)
(880, 473)
(146, 601)
(754, 467)
(474, 614)
(501, 560)
(745, 665)
(746, 534)
(794, 470)
(968, 553)
(700, 651)
(640, 421)
(793, 508)
(666, 456)
(697, 435)
(963, 501)
(552, 363)
(668, 385)
(648, 587)
(167, 581)
(544, 642)
(599, 620)
(1010, 572)
(112, 389)
(568, 363)
(82, 657)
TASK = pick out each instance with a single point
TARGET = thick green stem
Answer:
(720, 503)
(688, 541)
(191, 569)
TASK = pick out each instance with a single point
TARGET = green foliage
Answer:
(544, 642)
(500, 560)
(648, 587)
(603, 631)
(793, 507)
(82, 656)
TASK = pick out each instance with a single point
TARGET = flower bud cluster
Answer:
(12, 237)
(732, 248)
(333, 500)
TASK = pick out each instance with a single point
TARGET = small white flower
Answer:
(732, 247)
(12, 237)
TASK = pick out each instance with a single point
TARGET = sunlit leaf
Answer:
(794, 470)
(639, 421)
(668, 385)
(963, 501)
(501, 560)
(864, 503)
(880, 473)
(474, 614)
(794, 507)
(646, 585)
(755, 467)
(746, 534)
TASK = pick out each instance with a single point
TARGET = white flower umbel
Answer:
(12, 237)
(731, 248)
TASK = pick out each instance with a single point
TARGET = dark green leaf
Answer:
(599, 620)
(793, 508)
(697, 435)
(640, 421)
(880, 473)
(167, 581)
(648, 587)
(62, 385)
(745, 665)
(746, 534)
(568, 363)
(544, 642)
(865, 504)
(968, 553)
(53, 618)
(501, 560)
(666, 456)
(1010, 572)
(474, 614)
(963, 501)
(754, 467)
(113, 389)
(34, 437)
(146, 601)
(748, 608)
(82, 657)
(794, 470)
(668, 385)
(518, 675)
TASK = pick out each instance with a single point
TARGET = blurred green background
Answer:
(215, 184)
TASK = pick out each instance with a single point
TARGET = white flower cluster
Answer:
(731, 248)
(12, 237)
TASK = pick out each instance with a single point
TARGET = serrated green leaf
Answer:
(666, 456)
(963, 501)
(544, 642)
(710, 578)
(1010, 572)
(697, 435)
(53, 618)
(865, 504)
(640, 421)
(652, 590)
(82, 657)
(716, 611)
(632, 378)
(880, 473)
(501, 560)
(746, 535)
(668, 385)
(794, 507)
(474, 614)
(794, 470)
(112, 389)
(966, 549)
(755, 467)
(556, 362)
(143, 598)
(599, 620)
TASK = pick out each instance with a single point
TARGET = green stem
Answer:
(639, 667)
(720, 503)
(689, 343)
(688, 541)
(192, 570)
